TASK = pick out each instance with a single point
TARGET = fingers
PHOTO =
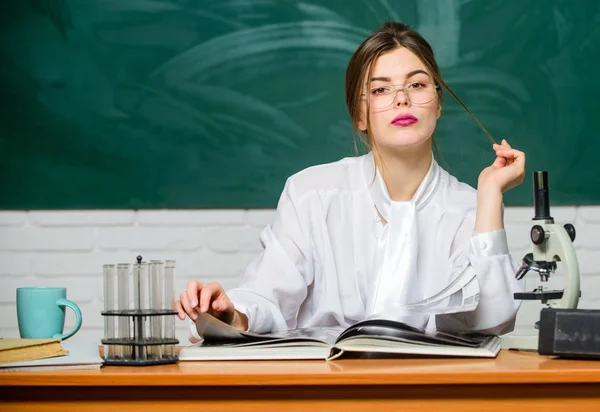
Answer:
(516, 165)
(198, 297)
(502, 146)
(511, 154)
(222, 304)
(511, 157)
(206, 296)
(184, 307)
(180, 311)
(191, 290)
(213, 297)
(499, 162)
(504, 156)
(509, 165)
(188, 300)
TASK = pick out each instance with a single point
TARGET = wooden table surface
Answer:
(512, 380)
(510, 367)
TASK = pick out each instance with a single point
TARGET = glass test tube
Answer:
(157, 275)
(168, 302)
(140, 303)
(123, 270)
(109, 275)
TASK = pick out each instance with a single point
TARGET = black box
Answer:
(570, 333)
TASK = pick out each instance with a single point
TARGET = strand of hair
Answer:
(467, 109)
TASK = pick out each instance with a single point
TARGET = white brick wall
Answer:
(68, 248)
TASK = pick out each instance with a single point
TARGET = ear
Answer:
(362, 120)
(362, 126)
(439, 111)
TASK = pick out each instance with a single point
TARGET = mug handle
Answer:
(78, 318)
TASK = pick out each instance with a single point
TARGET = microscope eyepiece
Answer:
(541, 196)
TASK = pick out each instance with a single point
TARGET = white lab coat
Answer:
(329, 260)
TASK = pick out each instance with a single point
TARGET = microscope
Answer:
(552, 243)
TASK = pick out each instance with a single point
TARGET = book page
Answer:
(212, 329)
(487, 347)
(387, 330)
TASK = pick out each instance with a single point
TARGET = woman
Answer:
(361, 236)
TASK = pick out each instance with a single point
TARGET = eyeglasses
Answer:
(382, 97)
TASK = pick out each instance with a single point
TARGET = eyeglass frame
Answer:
(406, 94)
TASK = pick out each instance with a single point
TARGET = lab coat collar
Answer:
(381, 196)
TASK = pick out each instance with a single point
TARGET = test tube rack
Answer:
(139, 326)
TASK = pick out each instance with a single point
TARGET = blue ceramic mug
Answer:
(41, 312)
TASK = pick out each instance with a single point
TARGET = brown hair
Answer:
(390, 36)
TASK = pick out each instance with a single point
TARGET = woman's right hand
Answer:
(211, 298)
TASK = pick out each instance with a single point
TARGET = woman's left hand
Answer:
(507, 171)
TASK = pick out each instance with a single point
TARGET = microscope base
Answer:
(525, 341)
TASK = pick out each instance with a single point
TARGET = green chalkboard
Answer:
(213, 104)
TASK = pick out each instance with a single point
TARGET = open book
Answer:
(373, 336)
(376, 335)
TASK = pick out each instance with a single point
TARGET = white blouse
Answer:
(329, 260)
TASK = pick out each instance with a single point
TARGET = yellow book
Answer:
(17, 350)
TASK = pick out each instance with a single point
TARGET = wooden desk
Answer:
(512, 381)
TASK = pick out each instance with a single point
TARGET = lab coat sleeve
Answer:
(274, 284)
(495, 268)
